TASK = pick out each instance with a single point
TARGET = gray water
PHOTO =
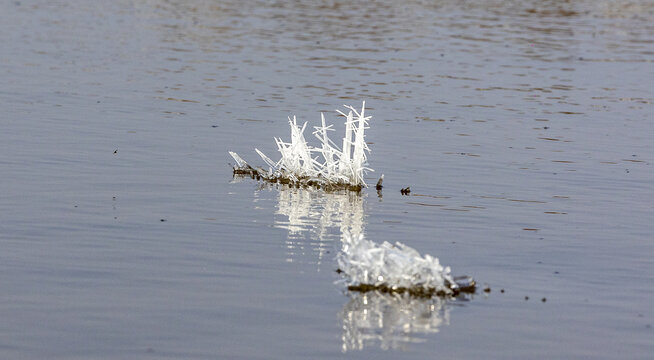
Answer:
(524, 129)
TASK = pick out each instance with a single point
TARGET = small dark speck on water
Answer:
(526, 298)
(543, 299)
(487, 289)
(214, 126)
(162, 220)
(116, 151)
(502, 291)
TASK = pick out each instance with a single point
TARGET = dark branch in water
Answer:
(246, 170)
(462, 285)
(299, 183)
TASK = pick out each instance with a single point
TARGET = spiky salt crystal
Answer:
(339, 168)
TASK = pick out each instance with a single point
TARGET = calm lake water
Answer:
(524, 129)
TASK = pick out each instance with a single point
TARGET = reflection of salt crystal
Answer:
(344, 167)
(392, 320)
(387, 266)
(318, 214)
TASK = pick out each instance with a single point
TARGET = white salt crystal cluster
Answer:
(391, 267)
(331, 166)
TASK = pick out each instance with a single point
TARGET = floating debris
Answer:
(398, 268)
(379, 185)
(339, 169)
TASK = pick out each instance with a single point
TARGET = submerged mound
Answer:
(398, 268)
(335, 168)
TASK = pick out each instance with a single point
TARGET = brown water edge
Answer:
(463, 285)
(301, 182)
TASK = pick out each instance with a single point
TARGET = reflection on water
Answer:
(393, 321)
(315, 218)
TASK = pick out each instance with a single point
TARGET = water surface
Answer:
(522, 127)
